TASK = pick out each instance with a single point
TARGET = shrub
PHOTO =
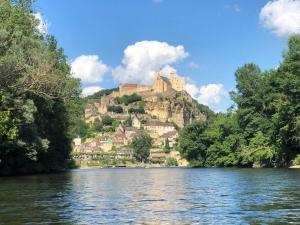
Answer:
(127, 99)
(171, 162)
(115, 109)
(138, 110)
(296, 161)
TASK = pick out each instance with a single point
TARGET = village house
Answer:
(105, 143)
(159, 128)
(136, 123)
(124, 153)
(119, 138)
(171, 137)
(157, 155)
(131, 132)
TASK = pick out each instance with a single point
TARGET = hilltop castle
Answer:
(160, 84)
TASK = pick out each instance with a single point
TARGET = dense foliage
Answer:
(39, 101)
(141, 147)
(115, 109)
(101, 93)
(264, 130)
(127, 99)
(136, 111)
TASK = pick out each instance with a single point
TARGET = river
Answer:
(153, 196)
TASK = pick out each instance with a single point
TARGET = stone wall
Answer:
(177, 82)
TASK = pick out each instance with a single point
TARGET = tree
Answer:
(97, 125)
(167, 146)
(193, 144)
(128, 121)
(115, 109)
(107, 120)
(141, 147)
(171, 162)
(38, 95)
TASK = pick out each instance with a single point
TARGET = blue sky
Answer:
(205, 41)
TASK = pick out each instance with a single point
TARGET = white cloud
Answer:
(211, 94)
(282, 17)
(142, 59)
(90, 90)
(89, 68)
(192, 89)
(167, 70)
(42, 23)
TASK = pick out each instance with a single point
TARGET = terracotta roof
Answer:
(131, 129)
(129, 86)
(169, 134)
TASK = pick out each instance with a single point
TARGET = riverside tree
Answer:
(39, 100)
(141, 147)
(263, 130)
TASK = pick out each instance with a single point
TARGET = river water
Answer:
(153, 196)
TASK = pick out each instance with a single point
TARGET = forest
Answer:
(262, 129)
(40, 102)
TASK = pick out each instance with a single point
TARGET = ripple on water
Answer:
(153, 196)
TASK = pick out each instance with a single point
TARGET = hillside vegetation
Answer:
(264, 129)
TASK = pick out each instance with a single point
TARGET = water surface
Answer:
(153, 196)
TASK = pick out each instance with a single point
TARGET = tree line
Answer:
(262, 129)
(39, 100)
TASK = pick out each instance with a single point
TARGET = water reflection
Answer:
(153, 196)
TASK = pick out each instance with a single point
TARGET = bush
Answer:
(127, 99)
(171, 162)
(138, 110)
(107, 121)
(115, 109)
(296, 161)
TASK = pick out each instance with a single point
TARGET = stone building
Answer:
(159, 128)
(163, 84)
(129, 89)
(136, 123)
(177, 82)
(171, 137)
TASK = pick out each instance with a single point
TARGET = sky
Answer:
(109, 42)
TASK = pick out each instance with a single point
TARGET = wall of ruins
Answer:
(177, 82)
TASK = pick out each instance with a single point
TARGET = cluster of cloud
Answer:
(282, 17)
(89, 68)
(90, 90)
(139, 63)
(211, 94)
(142, 59)
(42, 26)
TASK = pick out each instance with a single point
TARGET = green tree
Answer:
(167, 146)
(193, 143)
(171, 162)
(107, 120)
(141, 147)
(38, 95)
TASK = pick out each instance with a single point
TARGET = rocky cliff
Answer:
(173, 106)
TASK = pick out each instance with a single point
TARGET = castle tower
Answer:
(177, 82)
(160, 83)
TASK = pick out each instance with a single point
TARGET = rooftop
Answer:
(158, 123)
